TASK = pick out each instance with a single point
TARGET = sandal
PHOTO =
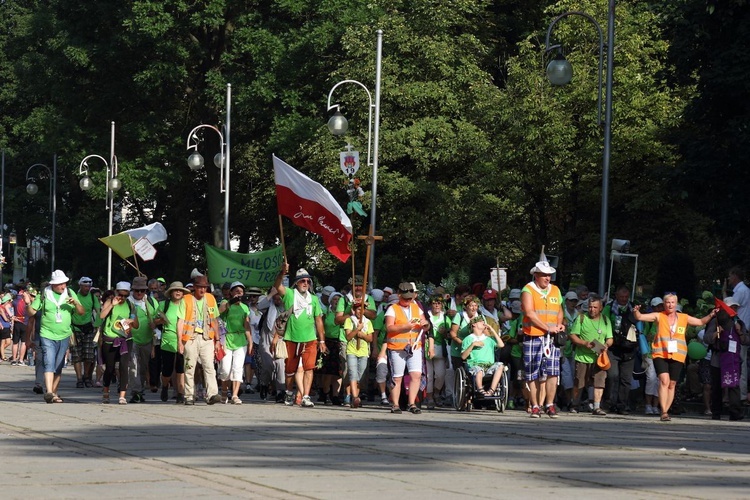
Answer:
(665, 417)
(236, 400)
(414, 409)
(105, 398)
(395, 409)
(122, 401)
(56, 399)
(48, 397)
(88, 383)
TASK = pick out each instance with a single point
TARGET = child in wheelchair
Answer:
(478, 350)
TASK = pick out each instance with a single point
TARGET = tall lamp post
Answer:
(560, 72)
(33, 189)
(338, 125)
(113, 185)
(221, 159)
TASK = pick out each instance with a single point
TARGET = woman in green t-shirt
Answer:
(172, 361)
(120, 319)
(237, 340)
(441, 325)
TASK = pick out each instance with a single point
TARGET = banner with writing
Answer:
(251, 269)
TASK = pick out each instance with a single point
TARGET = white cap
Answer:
(656, 301)
(515, 293)
(731, 302)
(571, 296)
(85, 280)
(328, 290)
(376, 294)
(123, 285)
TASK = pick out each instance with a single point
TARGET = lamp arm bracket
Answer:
(330, 94)
(193, 137)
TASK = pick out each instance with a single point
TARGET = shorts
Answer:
(535, 364)
(473, 370)
(398, 362)
(332, 360)
(588, 374)
(172, 362)
(356, 367)
(305, 353)
(381, 371)
(5, 333)
(250, 359)
(671, 366)
(85, 349)
(53, 354)
(19, 332)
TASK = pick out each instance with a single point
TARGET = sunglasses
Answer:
(124, 295)
(405, 291)
(139, 290)
(304, 280)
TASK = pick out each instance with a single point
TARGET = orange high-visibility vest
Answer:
(546, 307)
(397, 341)
(190, 314)
(664, 334)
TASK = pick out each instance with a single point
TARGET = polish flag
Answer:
(310, 205)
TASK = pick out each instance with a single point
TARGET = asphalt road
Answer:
(82, 449)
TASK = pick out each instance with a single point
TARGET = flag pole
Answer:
(283, 245)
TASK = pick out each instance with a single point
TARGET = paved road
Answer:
(82, 449)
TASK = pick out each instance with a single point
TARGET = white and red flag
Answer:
(310, 205)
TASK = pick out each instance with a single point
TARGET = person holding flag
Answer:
(304, 325)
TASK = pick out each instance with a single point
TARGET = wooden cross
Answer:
(369, 240)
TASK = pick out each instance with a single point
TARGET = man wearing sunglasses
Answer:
(304, 333)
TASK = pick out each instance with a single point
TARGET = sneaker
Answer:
(307, 402)
(165, 394)
(648, 410)
(136, 398)
(599, 412)
(79, 384)
(348, 400)
(511, 405)
(280, 397)
(383, 402)
(336, 401)
(38, 389)
(551, 411)
(356, 403)
(214, 399)
(708, 413)
(572, 409)
(288, 399)
(430, 404)
(180, 399)
(88, 383)
(189, 402)
(535, 413)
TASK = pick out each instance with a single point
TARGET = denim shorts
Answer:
(53, 354)
(357, 367)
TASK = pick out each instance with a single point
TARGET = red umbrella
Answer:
(724, 307)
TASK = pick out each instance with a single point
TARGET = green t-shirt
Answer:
(89, 302)
(589, 330)
(51, 328)
(144, 334)
(378, 327)
(173, 313)
(443, 320)
(464, 329)
(514, 330)
(351, 346)
(119, 311)
(235, 317)
(302, 328)
(333, 331)
(480, 356)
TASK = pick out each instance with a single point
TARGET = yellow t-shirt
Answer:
(364, 346)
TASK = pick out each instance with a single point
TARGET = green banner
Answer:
(251, 269)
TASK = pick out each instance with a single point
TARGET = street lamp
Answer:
(113, 185)
(559, 72)
(33, 189)
(221, 159)
(338, 125)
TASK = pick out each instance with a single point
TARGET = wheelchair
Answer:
(467, 397)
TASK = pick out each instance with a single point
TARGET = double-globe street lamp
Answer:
(560, 72)
(113, 185)
(32, 189)
(338, 125)
(221, 159)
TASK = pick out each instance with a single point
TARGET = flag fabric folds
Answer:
(309, 205)
(251, 269)
(122, 243)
